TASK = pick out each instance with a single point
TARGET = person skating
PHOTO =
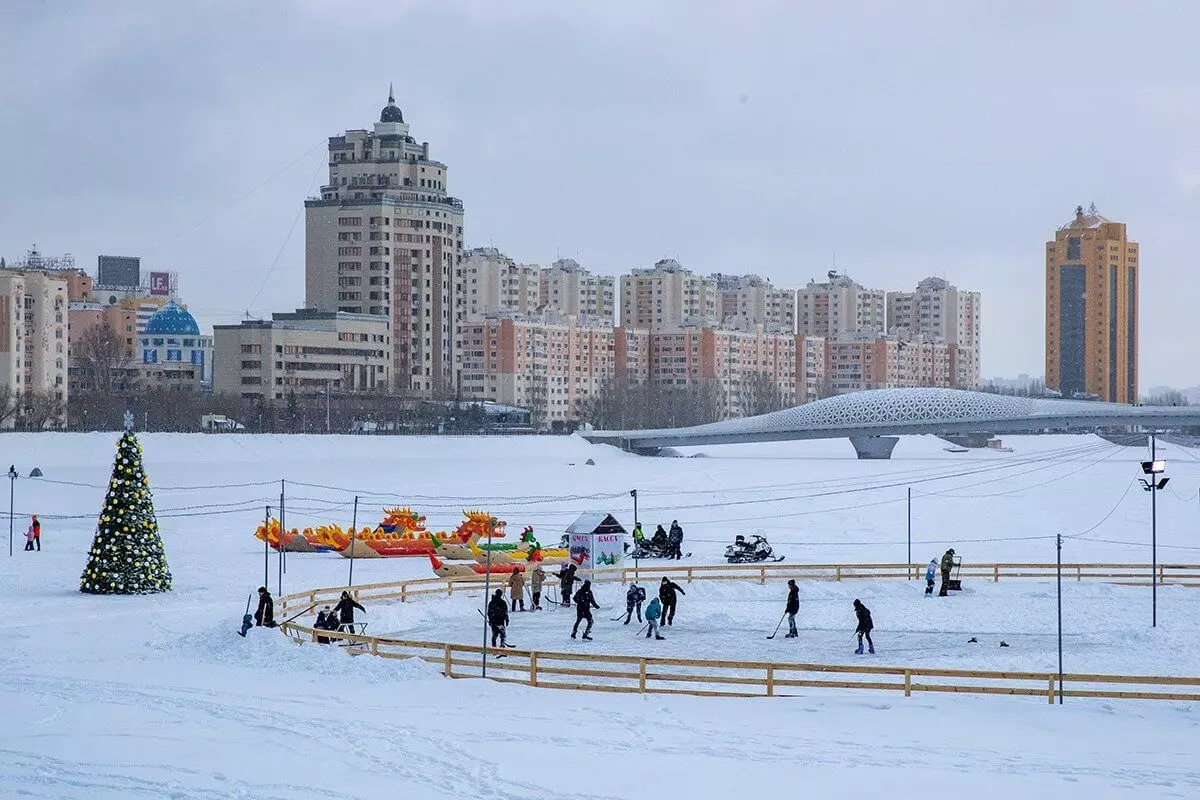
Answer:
(792, 608)
(264, 616)
(633, 602)
(653, 614)
(516, 588)
(930, 574)
(566, 582)
(535, 585)
(497, 617)
(865, 625)
(584, 603)
(345, 611)
(675, 541)
(666, 593)
(947, 565)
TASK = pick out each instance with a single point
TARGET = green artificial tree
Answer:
(127, 555)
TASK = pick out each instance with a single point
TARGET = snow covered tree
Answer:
(127, 555)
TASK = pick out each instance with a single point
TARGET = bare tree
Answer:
(10, 405)
(102, 356)
(760, 394)
(42, 409)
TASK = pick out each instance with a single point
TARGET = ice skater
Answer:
(792, 608)
(584, 603)
(930, 574)
(653, 612)
(516, 588)
(633, 602)
(535, 584)
(865, 625)
(566, 582)
(666, 593)
(497, 617)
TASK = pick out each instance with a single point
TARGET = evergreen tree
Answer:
(127, 555)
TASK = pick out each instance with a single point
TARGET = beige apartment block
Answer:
(668, 296)
(495, 284)
(306, 352)
(750, 300)
(386, 239)
(1092, 309)
(569, 289)
(839, 306)
(34, 328)
(856, 362)
(940, 310)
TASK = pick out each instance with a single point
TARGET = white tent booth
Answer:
(597, 540)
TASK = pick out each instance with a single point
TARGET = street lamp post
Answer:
(633, 494)
(1154, 467)
(12, 484)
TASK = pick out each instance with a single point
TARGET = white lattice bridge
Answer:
(862, 416)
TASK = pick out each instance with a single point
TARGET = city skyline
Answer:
(552, 163)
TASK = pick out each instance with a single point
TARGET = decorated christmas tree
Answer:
(127, 555)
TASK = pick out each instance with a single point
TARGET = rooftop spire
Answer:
(391, 94)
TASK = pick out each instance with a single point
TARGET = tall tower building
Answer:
(386, 238)
(1091, 309)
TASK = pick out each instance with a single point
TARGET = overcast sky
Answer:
(910, 139)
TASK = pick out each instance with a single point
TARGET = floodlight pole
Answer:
(910, 564)
(1153, 538)
(12, 484)
(267, 547)
(1060, 648)
(353, 533)
(633, 494)
(487, 587)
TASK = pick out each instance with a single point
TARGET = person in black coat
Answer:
(497, 617)
(666, 593)
(584, 603)
(675, 541)
(566, 582)
(345, 611)
(659, 541)
(792, 608)
(865, 625)
(633, 602)
(326, 621)
(265, 614)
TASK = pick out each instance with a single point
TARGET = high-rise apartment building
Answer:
(839, 306)
(856, 362)
(33, 326)
(668, 296)
(569, 289)
(938, 310)
(749, 300)
(493, 283)
(1092, 309)
(385, 239)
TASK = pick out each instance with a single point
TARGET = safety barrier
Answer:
(727, 678)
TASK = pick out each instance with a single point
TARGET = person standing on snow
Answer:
(865, 626)
(930, 574)
(792, 608)
(326, 621)
(497, 617)
(566, 582)
(516, 588)
(345, 611)
(653, 612)
(666, 593)
(947, 565)
(264, 616)
(638, 536)
(675, 541)
(535, 585)
(584, 603)
(633, 602)
(30, 535)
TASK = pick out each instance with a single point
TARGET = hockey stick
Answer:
(639, 633)
(301, 614)
(777, 627)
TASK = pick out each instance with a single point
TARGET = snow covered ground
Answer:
(155, 697)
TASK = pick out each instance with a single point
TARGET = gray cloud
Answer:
(927, 138)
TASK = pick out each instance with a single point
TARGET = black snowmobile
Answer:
(744, 552)
(655, 547)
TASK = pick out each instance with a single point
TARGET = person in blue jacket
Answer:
(653, 612)
(633, 602)
(930, 574)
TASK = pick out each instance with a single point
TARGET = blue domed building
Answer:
(175, 355)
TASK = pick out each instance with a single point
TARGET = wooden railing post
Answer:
(770, 680)
(449, 587)
(762, 575)
(1050, 693)
(996, 575)
(1078, 573)
(908, 683)
(374, 646)
(642, 676)
(533, 669)
(689, 574)
(838, 573)
(1162, 572)
(448, 667)
(404, 592)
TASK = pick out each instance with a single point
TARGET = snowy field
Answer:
(156, 697)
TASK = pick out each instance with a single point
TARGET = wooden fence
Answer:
(718, 678)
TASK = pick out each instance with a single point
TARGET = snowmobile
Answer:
(656, 547)
(744, 552)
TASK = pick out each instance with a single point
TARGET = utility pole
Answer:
(353, 533)
(1058, 545)
(910, 564)
(633, 494)
(267, 548)
(12, 484)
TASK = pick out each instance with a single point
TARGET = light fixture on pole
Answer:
(12, 484)
(633, 494)
(1154, 467)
